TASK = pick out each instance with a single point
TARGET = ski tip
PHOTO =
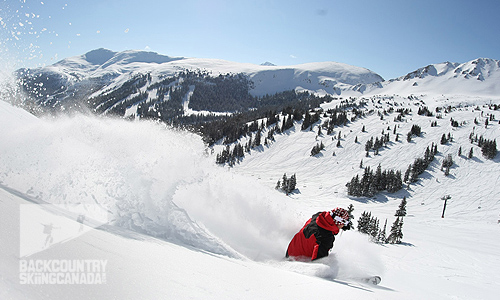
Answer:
(372, 280)
(375, 280)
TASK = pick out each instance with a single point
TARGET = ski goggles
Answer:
(340, 220)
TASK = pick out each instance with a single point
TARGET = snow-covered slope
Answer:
(476, 77)
(181, 227)
(119, 83)
(138, 266)
(104, 63)
(116, 67)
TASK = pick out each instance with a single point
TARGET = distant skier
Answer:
(316, 238)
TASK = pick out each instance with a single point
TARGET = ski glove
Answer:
(347, 227)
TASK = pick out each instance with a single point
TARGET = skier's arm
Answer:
(319, 252)
(322, 247)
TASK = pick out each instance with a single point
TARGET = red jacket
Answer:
(315, 239)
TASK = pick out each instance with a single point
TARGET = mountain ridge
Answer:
(313, 76)
(333, 82)
(122, 82)
(476, 77)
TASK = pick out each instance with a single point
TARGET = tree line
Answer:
(373, 182)
(370, 225)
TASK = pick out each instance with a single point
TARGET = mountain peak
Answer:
(268, 64)
(99, 56)
(482, 67)
(479, 68)
(140, 56)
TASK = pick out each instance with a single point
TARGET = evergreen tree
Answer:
(292, 184)
(401, 212)
(369, 144)
(257, 140)
(378, 179)
(447, 163)
(396, 233)
(370, 184)
(350, 209)
(369, 224)
(428, 155)
(372, 189)
(353, 187)
(382, 233)
(416, 130)
(374, 228)
(407, 174)
(284, 184)
(364, 222)
(444, 140)
(471, 153)
(307, 121)
(489, 148)
(317, 149)
(287, 185)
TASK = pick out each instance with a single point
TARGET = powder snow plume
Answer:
(151, 179)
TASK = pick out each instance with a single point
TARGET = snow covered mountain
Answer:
(131, 83)
(268, 78)
(477, 77)
(104, 73)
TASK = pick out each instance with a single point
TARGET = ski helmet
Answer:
(342, 216)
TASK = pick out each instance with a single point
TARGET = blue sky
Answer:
(390, 37)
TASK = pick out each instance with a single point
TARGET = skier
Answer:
(316, 238)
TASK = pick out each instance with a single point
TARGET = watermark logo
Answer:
(47, 226)
(62, 271)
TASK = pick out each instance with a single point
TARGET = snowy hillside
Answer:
(140, 84)
(117, 67)
(181, 227)
(476, 77)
